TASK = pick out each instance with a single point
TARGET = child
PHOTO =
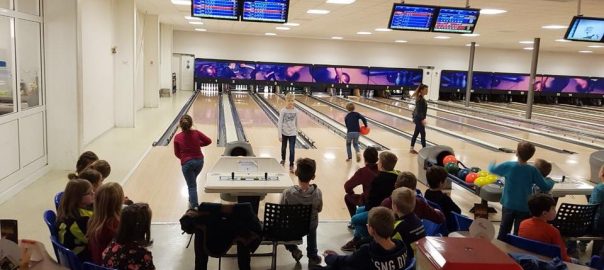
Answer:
(288, 129)
(102, 227)
(381, 251)
(129, 248)
(101, 166)
(363, 176)
(422, 209)
(353, 130)
(597, 197)
(95, 178)
(381, 187)
(545, 168)
(84, 160)
(305, 193)
(72, 217)
(437, 177)
(543, 210)
(519, 180)
(407, 227)
(419, 116)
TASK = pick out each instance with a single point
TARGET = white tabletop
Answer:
(247, 176)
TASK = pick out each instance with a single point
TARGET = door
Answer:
(187, 64)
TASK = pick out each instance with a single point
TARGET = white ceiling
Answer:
(523, 21)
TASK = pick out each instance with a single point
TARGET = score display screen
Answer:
(265, 10)
(456, 20)
(215, 9)
(586, 29)
(412, 17)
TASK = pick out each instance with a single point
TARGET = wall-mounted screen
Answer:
(236, 70)
(270, 72)
(395, 77)
(562, 84)
(297, 73)
(459, 80)
(265, 10)
(339, 75)
(456, 20)
(206, 69)
(596, 86)
(215, 9)
(411, 17)
(510, 82)
(586, 29)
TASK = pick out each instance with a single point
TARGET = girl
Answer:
(102, 227)
(419, 116)
(84, 160)
(187, 147)
(128, 249)
(94, 177)
(72, 217)
(288, 129)
(353, 130)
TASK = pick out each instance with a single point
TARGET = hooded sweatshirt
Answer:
(371, 256)
(288, 122)
(312, 196)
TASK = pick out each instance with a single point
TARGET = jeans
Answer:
(352, 200)
(201, 258)
(510, 218)
(292, 147)
(359, 221)
(311, 243)
(191, 170)
(352, 137)
(419, 129)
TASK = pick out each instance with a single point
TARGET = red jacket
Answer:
(541, 231)
(422, 210)
(100, 241)
(363, 176)
(187, 145)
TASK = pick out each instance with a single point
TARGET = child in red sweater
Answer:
(362, 177)
(103, 225)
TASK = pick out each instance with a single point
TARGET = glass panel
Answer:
(29, 70)
(5, 4)
(7, 93)
(28, 6)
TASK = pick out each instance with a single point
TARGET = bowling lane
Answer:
(259, 129)
(551, 110)
(594, 112)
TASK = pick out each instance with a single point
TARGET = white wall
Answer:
(139, 71)
(96, 27)
(151, 60)
(124, 62)
(165, 60)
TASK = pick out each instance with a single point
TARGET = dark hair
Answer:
(370, 155)
(525, 151)
(85, 159)
(186, 122)
(101, 166)
(540, 203)
(92, 176)
(418, 91)
(436, 175)
(72, 197)
(135, 225)
(544, 167)
(406, 179)
(381, 219)
(305, 169)
(388, 160)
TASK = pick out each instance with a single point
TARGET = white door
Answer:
(187, 64)
(176, 69)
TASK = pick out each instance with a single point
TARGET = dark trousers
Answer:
(419, 129)
(352, 201)
(292, 147)
(201, 259)
(311, 243)
(510, 218)
(191, 170)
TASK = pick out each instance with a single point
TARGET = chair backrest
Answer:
(66, 257)
(284, 222)
(91, 266)
(575, 220)
(431, 228)
(540, 248)
(411, 265)
(58, 197)
(462, 222)
(51, 221)
(434, 205)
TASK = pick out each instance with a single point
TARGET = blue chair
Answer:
(411, 265)
(51, 221)
(431, 228)
(597, 262)
(66, 257)
(91, 266)
(58, 199)
(462, 222)
(537, 247)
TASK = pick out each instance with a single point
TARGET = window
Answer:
(28, 6)
(29, 71)
(7, 92)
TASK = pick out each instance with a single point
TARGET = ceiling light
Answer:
(282, 28)
(182, 2)
(198, 23)
(291, 24)
(554, 26)
(442, 37)
(585, 51)
(200, 29)
(471, 35)
(363, 33)
(317, 11)
(270, 34)
(528, 48)
(383, 30)
(596, 46)
(341, 2)
(336, 37)
(470, 44)
(526, 42)
(192, 18)
(400, 41)
(562, 40)
(492, 11)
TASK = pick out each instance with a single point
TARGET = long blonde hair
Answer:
(418, 92)
(107, 207)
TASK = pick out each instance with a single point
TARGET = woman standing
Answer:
(288, 129)
(419, 116)
(187, 147)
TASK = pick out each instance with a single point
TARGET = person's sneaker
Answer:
(314, 260)
(412, 151)
(358, 157)
(282, 162)
(350, 246)
(348, 159)
(296, 254)
(291, 168)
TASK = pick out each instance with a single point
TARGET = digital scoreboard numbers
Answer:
(215, 9)
(273, 11)
(454, 20)
(412, 17)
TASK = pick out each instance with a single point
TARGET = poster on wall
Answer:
(234, 70)
(510, 82)
(270, 72)
(340, 75)
(297, 73)
(395, 77)
(562, 84)
(451, 79)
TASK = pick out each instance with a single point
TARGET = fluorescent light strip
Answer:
(469, 44)
(562, 40)
(341, 2)
(200, 29)
(492, 11)
(338, 38)
(192, 18)
(282, 28)
(586, 51)
(526, 42)
(318, 11)
(383, 30)
(554, 26)
(471, 35)
(197, 23)
(270, 34)
(400, 41)
(181, 2)
(528, 48)
(596, 46)
(363, 33)
(291, 24)
(442, 37)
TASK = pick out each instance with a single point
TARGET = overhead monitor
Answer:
(272, 11)
(456, 20)
(215, 9)
(412, 17)
(586, 29)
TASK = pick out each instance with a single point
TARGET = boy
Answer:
(519, 180)
(545, 168)
(353, 130)
(422, 209)
(437, 177)
(407, 227)
(543, 210)
(381, 253)
(363, 176)
(305, 193)
(381, 187)
(597, 197)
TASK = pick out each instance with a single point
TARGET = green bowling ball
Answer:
(475, 169)
(452, 168)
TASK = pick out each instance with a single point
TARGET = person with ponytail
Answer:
(102, 227)
(187, 147)
(419, 116)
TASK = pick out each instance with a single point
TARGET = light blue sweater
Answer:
(597, 197)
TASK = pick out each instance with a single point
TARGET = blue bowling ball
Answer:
(463, 173)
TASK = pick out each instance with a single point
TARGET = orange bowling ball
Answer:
(365, 130)
(471, 177)
(449, 159)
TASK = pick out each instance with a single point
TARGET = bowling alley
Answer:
(301, 134)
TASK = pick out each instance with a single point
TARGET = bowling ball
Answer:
(480, 181)
(483, 174)
(471, 177)
(492, 178)
(475, 169)
(365, 130)
(463, 173)
(452, 168)
(449, 159)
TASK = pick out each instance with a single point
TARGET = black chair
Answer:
(575, 220)
(283, 223)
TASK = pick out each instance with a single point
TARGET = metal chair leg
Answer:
(274, 259)
(219, 262)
